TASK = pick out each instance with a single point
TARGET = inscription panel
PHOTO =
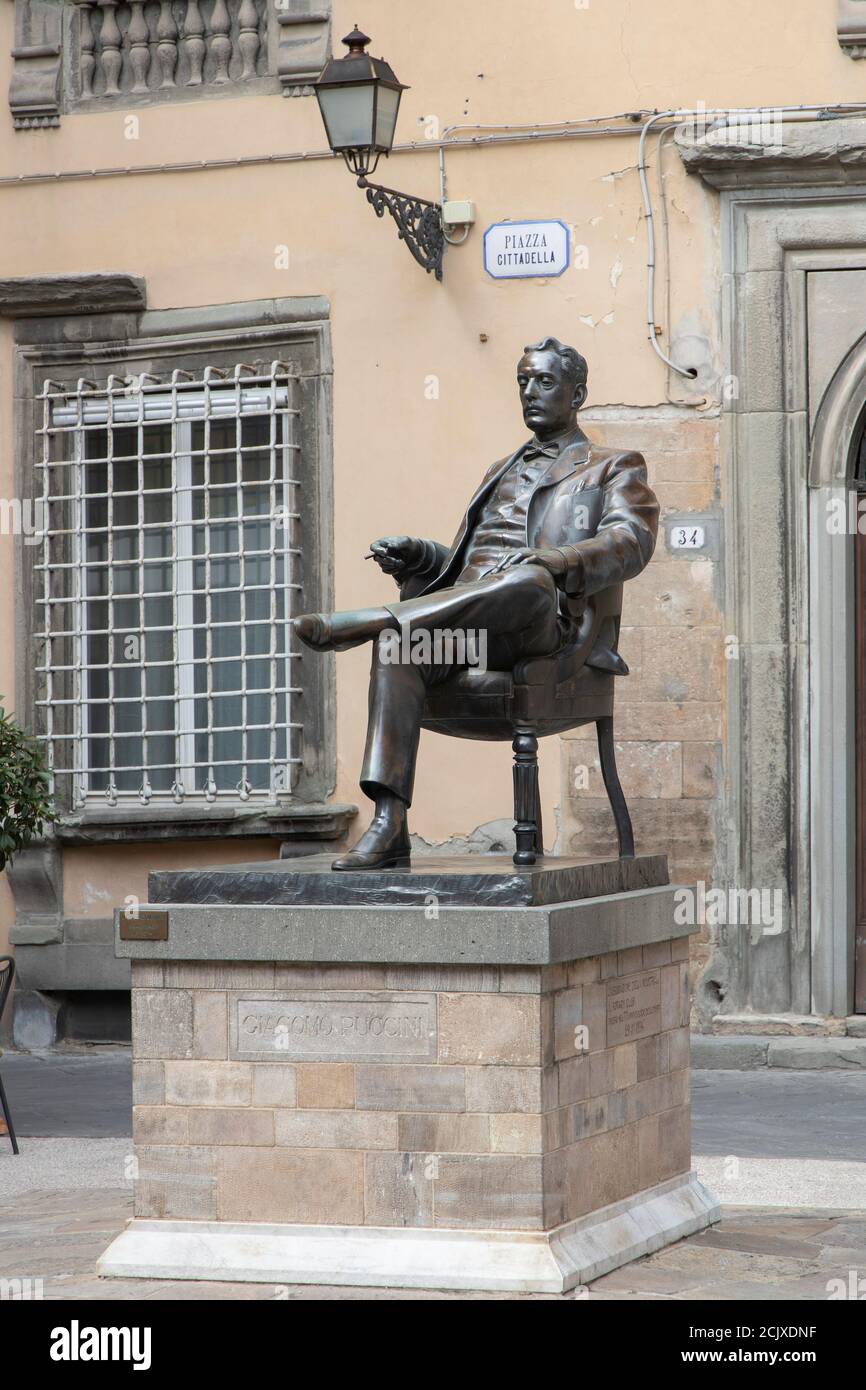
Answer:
(146, 924)
(332, 1026)
(634, 1007)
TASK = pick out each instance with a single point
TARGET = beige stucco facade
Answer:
(424, 393)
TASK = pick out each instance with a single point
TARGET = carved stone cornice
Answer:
(814, 152)
(40, 296)
(304, 45)
(851, 27)
(34, 87)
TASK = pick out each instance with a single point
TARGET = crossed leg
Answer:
(516, 610)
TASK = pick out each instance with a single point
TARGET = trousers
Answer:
(517, 614)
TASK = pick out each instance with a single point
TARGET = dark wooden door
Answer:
(860, 736)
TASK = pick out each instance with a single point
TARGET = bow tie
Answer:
(535, 449)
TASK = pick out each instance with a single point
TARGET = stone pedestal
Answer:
(426, 1095)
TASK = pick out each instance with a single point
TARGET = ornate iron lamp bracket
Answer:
(419, 223)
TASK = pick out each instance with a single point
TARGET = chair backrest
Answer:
(7, 975)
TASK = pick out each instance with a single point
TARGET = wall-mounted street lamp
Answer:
(359, 98)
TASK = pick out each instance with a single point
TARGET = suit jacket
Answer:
(594, 505)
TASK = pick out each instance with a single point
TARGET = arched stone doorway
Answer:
(837, 631)
(793, 338)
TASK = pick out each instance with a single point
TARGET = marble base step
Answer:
(555, 1261)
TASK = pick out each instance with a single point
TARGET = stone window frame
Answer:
(46, 80)
(66, 342)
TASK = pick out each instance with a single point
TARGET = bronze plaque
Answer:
(634, 1007)
(148, 924)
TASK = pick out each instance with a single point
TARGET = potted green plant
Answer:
(25, 796)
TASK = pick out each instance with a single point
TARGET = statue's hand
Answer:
(552, 560)
(397, 554)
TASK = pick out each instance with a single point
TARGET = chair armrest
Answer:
(561, 665)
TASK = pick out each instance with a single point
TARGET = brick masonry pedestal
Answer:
(514, 1124)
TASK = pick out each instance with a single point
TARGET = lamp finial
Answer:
(356, 42)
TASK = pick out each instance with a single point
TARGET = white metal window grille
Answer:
(166, 585)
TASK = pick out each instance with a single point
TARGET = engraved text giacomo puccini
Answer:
(335, 1026)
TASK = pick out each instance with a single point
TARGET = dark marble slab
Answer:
(470, 880)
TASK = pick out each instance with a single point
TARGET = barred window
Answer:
(166, 582)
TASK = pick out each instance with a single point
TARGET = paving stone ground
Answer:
(752, 1255)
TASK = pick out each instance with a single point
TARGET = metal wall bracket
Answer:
(419, 223)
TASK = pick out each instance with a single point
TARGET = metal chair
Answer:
(542, 696)
(7, 975)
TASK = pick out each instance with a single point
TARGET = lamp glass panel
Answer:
(386, 117)
(348, 115)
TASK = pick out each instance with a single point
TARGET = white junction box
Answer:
(458, 214)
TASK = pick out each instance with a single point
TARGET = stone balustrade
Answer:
(85, 55)
(160, 45)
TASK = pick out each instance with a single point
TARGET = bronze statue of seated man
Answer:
(555, 522)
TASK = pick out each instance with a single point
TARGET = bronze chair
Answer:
(541, 696)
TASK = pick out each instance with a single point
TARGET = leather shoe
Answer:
(314, 630)
(325, 633)
(380, 847)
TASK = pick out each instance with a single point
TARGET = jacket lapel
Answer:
(469, 519)
(572, 456)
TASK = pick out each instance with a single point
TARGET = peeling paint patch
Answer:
(616, 271)
(588, 321)
(493, 837)
(93, 895)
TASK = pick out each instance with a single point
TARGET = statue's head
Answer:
(552, 382)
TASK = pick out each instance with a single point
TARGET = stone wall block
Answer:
(160, 1124)
(310, 1186)
(510, 1090)
(325, 1086)
(336, 1129)
(275, 1085)
(433, 1088)
(177, 1183)
(479, 1028)
(494, 1191)
(208, 1083)
(523, 1134)
(162, 1023)
(399, 1189)
(210, 1025)
(148, 1083)
(440, 1134)
(242, 1126)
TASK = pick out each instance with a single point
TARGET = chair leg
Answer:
(527, 807)
(607, 757)
(4, 1105)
